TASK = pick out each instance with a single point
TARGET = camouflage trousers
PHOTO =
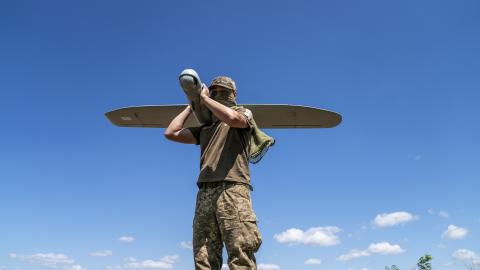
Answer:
(224, 214)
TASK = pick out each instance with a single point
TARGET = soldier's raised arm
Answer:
(175, 130)
(224, 113)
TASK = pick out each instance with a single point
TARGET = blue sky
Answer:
(397, 179)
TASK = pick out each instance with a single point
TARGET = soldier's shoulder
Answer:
(242, 110)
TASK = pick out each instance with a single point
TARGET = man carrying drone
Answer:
(223, 212)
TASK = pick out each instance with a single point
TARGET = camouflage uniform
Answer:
(223, 213)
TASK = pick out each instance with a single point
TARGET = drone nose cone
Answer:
(189, 80)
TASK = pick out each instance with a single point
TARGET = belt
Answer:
(224, 184)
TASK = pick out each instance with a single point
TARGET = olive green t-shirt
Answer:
(224, 151)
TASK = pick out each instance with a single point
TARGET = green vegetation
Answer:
(473, 265)
(423, 263)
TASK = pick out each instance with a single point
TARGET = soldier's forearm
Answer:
(222, 112)
(178, 122)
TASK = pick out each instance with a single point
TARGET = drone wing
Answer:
(265, 115)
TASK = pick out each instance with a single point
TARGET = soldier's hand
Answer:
(204, 92)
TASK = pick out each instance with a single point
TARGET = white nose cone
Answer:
(189, 80)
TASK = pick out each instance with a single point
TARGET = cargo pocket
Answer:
(251, 234)
(227, 213)
(237, 219)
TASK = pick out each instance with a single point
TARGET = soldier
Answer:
(223, 211)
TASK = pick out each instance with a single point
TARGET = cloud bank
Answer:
(392, 219)
(375, 248)
(453, 232)
(49, 260)
(317, 236)
(466, 256)
(166, 262)
(101, 253)
(126, 239)
(313, 261)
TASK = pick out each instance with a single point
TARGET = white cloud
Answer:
(375, 248)
(313, 261)
(101, 253)
(186, 245)
(129, 259)
(268, 267)
(466, 255)
(166, 262)
(320, 236)
(454, 232)
(392, 219)
(353, 254)
(126, 239)
(385, 248)
(443, 214)
(49, 260)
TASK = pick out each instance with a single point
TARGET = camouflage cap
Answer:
(224, 81)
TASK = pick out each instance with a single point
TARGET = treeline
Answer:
(424, 263)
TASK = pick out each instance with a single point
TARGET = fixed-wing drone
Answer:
(266, 115)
